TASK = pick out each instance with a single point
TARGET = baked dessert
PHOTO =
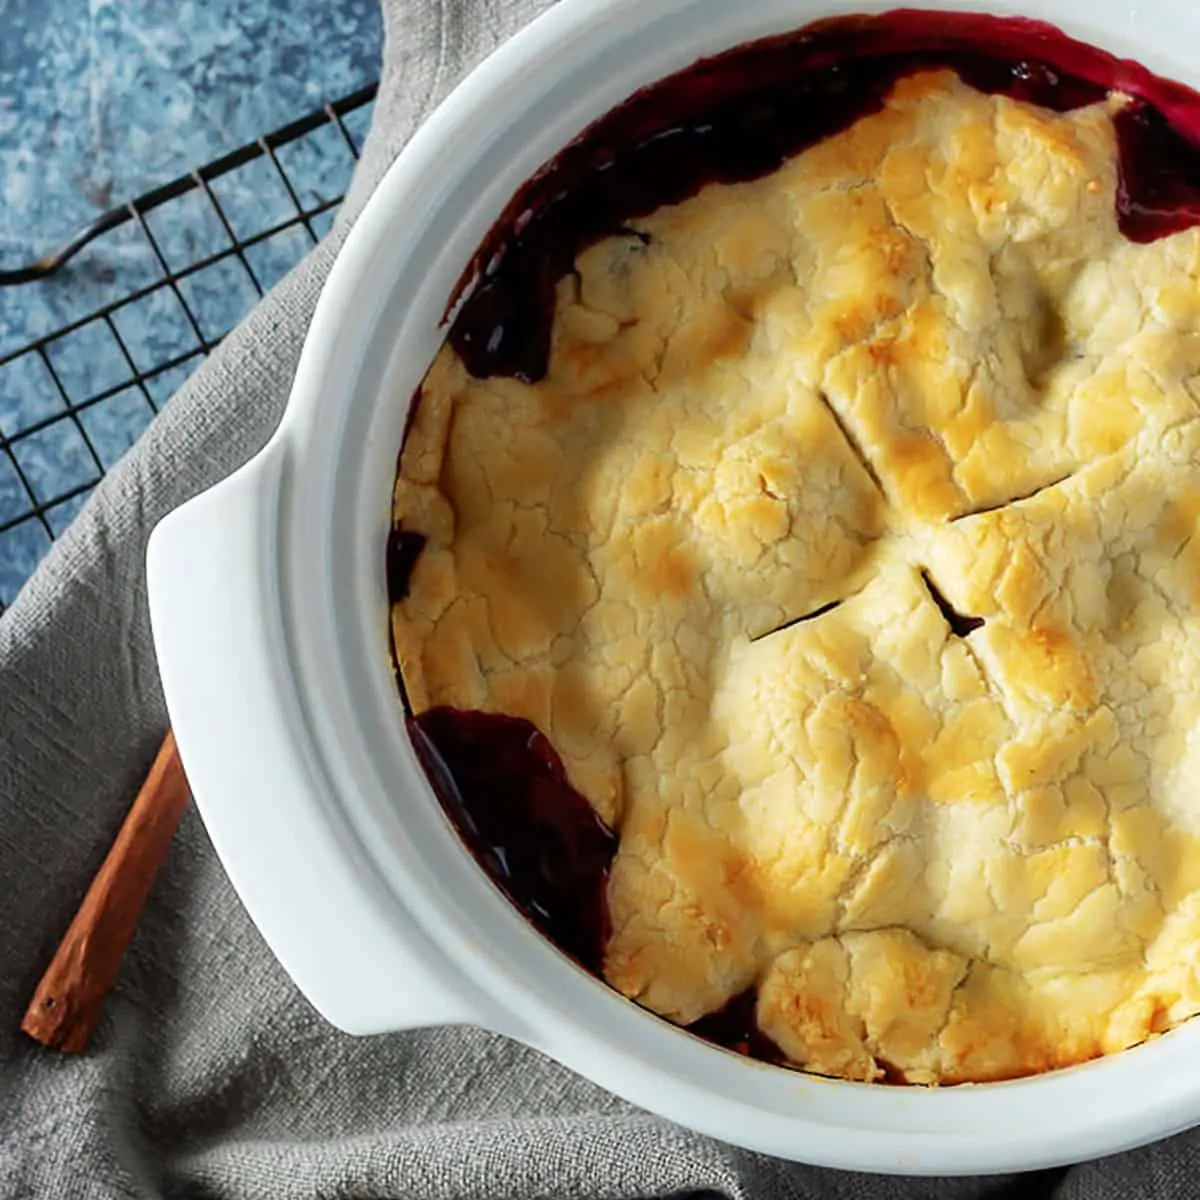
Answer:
(825, 603)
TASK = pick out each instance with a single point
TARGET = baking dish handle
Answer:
(215, 608)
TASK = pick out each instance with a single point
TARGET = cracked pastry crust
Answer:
(782, 421)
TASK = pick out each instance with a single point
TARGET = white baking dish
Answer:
(269, 608)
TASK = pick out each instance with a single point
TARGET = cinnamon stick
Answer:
(67, 1004)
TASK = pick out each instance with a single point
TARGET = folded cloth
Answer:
(210, 1076)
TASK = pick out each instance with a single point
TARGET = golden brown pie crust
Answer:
(920, 350)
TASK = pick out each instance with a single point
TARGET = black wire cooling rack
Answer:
(104, 363)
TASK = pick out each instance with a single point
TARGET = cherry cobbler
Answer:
(795, 570)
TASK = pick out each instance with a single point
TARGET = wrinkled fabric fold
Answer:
(210, 1076)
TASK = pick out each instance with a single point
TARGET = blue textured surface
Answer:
(101, 100)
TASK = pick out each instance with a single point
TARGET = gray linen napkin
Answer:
(210, 1076)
